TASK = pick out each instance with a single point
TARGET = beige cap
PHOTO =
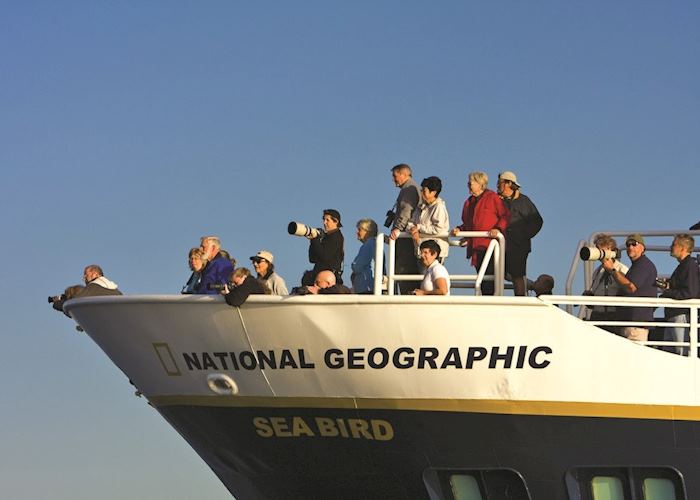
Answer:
(509, 176)
(263, 254)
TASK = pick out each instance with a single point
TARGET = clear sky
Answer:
(130, 129)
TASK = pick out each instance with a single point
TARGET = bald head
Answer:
(325, 279)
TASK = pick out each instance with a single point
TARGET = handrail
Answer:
(495, 250)
(693, 305)
(588, 266)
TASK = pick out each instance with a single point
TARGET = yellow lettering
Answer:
(262, 427)
(342, 428)
(326, 427)
(280, 426)
(359, 428)
(299, 427)
(382, 430)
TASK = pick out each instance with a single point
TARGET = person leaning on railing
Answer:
(436, 280)
(638, 282)
(684, 284)
(482, 211)
(197, 261)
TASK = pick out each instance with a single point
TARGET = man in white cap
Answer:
(263, 264)
(525, 223)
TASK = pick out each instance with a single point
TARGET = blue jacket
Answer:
(218, 270)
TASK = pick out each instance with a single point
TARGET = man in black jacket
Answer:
(684, 284)
(326, 250)
(244, 286)
(525, 223)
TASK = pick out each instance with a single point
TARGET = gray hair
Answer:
(213, 239)
(480, 177)
(368, 225)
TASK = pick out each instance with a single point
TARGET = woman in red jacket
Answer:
(483, 211)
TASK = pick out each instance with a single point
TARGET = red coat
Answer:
(483, 214)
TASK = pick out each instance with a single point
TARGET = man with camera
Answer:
(525, 223)
(684, 284)
(406, 204)
(326, 248)
(218, 268)
(638, 282)
(96, 284)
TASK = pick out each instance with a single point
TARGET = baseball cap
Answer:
(263, 254)
(509, 176)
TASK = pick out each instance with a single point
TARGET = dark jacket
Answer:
(218, 270)
(326, 253)
(335, 290)
(525, 222)
(92, 289)
(684, 284)
(239, 294)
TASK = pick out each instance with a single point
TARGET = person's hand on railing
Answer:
(415, 234)
(493, 233)
(394, 234)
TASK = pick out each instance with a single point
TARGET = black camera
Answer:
(390, 216)
(220, 286)
(56, 298)
(661, 283)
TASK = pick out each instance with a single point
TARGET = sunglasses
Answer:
(258, 260)
(631, 244)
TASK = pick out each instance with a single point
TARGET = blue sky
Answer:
(130, 129)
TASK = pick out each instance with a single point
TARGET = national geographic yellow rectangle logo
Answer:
(166, 359)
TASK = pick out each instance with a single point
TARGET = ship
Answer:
(389, 396)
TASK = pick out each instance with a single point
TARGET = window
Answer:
(655, 488)
(607, 488)
(476, 484)
(625, 483)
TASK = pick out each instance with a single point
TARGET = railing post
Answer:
(391, 265)
(693, 333)
(378, 263)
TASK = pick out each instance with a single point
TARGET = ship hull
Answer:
(542, 449)
(381, 397)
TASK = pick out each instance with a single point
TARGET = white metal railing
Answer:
(620, 303)
(588, 265)
(495, 251)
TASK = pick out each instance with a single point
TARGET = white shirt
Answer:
(433, 272)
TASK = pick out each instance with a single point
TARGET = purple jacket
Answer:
(218, 270)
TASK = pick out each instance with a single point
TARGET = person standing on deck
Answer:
(638, 282)
(218, 268)
(406, 205)
(684, 284)
(525, 223)
(482, 211)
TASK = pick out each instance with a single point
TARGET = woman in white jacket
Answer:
(431, 219)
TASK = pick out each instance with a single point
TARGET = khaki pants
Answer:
(635, 333)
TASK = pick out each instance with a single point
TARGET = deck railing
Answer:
(620, 303)
(495, 252)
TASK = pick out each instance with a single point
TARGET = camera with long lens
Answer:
(390, 216)
(299, 229)
(56, 298)
(220, 286)
(595, 253)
